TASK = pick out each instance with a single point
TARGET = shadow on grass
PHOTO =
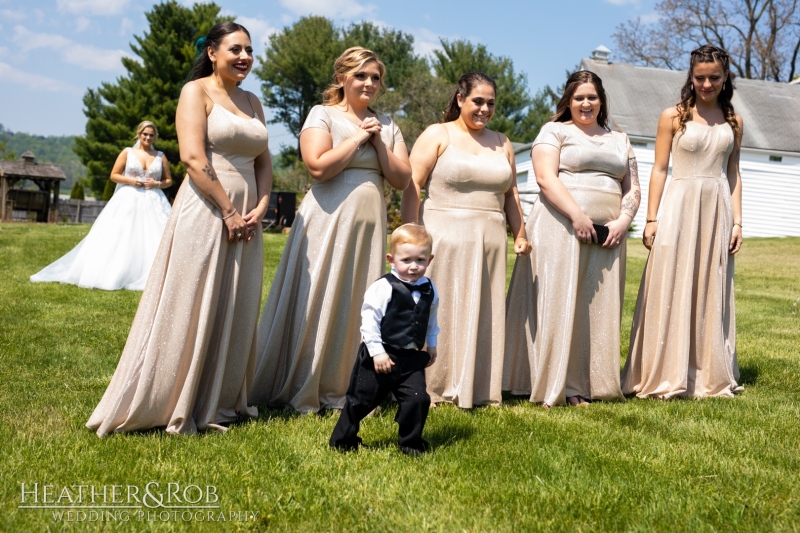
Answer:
(748, 375)
(442, 436)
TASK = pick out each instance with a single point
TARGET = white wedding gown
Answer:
(121, 245)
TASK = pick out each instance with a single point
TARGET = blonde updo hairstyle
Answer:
(146, 124)
(351, 61)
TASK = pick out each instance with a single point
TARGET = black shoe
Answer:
(347, 447)
(415, 451)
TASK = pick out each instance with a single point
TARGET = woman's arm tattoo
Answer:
(208, 170)
(630, 204)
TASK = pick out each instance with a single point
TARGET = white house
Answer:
(770, 158)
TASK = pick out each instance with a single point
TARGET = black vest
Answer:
(404, 321)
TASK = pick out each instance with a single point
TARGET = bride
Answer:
(120, 247)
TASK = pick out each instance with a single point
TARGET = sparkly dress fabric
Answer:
(308, 335)
(190, 354)
(564, 302)
(120, 247)
(463, 212)
(683, 338)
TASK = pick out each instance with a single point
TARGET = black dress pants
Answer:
(368, 389)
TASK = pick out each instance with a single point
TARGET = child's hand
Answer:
(432, 351)
(383, 365)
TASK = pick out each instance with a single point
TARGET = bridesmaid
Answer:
(308, 335)
(190, 354)
(565, 302)
(683, 339)
(469, 177)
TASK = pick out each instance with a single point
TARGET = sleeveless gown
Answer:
(190, 355)
(683, 338)
(119, 249)
(463, 212)
(564, 301)
(309, 332)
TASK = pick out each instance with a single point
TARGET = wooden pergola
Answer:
(47, 177)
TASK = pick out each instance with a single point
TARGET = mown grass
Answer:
(707, 465)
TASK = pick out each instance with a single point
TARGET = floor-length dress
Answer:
(119, 249)
(564, 302)
(308, 335)
(683, 338)
(463, 212)
(190, 355)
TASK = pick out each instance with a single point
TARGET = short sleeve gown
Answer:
(119, 250)
(683, 338)
(190, 354)
(564, 302)
(308, 335)
(463, 212)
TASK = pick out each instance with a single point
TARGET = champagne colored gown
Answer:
(190, 355)
(309, 332)
(683, 338)
(119, 249)
(564, 302)
(463, 212)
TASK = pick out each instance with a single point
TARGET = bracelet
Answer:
(356, 143)
(737, 224)
(229, 216)
(649, 221)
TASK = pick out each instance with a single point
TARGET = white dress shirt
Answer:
(377, 298)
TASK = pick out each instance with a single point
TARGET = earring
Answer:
(691, 86)
(723, 85)
(213, 66)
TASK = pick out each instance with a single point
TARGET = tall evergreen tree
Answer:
(149, 91)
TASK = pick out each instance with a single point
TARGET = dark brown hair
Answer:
(466, 83)
(202, 65)
(563, 113)
(708, 54)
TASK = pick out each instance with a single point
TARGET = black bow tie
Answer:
(422, 288)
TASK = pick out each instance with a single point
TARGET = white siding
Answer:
(770, 192)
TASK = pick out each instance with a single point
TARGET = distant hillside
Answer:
(51, 149)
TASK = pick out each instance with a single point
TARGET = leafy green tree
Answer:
(417, 103)
(296, 67)
(516, 114)
(149, 91)
(395, 48)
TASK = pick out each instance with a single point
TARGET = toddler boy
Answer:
(398, 319)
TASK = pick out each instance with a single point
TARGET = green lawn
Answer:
(710, 465)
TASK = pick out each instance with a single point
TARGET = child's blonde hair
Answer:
(410, 234)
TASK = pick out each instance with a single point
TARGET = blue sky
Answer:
(52, 51)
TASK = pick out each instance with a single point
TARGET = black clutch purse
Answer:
(602, 233)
